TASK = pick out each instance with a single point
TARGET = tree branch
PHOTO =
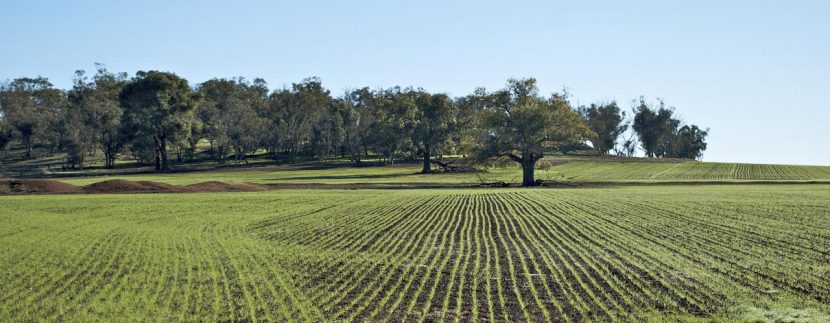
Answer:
(511, 156)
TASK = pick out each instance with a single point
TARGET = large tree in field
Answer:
(606, 121)
(434, 121)
(32, 110)
(522, 126)
(158, 109)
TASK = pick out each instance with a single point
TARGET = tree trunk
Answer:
(107, 163)
(427, 168)
(528, 166)
(163, 151)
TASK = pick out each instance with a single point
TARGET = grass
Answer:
(572, 171)
(628, 253)
(560, 168)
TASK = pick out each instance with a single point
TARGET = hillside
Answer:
(568, 169)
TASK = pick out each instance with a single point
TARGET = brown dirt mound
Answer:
(215, 186)
(124, 186)
(35, 186)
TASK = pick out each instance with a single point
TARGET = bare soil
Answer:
(34, 186)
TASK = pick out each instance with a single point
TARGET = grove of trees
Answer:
(155, 117)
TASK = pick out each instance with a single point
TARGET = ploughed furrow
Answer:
(679, 247)
(537, 275)
(451, 248)
(519, 300)
(334, 272)
(559, 238)
(495, 270)
(375, 297)
(770, 270)
(605, 301)
(414, 259)
(792, 241)
(789, 240)
(692, 296)
(440, 254)
(393, 252)
(607, 272)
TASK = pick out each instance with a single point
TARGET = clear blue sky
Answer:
(756, 72)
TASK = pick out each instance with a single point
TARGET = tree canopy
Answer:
(158, 109)
(153, 114)
(522, 126)
(607, 122)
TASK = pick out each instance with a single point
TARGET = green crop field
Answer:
(751, 252)
(569, 171)
(687, 171)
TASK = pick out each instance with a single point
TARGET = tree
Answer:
(606, 121)
(468, 132)
(356, 112)
(521, 125)
(327, 133)
(5, 131)
(434, 121)
(653, 126)
(158, 109)
(244, 128)
(94, 105)
(688, 141)
(295, 111)
(231, 118)
(32, 109)
(394, 116)
(77, 135)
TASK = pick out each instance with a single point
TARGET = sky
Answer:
(757, 73)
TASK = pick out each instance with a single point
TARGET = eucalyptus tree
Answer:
(434, 121)
(294, 112)
(230, 115)
(31, 111)
(5, 131)
(356, 111)
(688, 141)
(394, 120)
(606, 121)
(468, 133)
(653, 125)
(94, 105)
(158, 109)
(521, 125)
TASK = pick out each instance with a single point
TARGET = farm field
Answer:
(735, 252)
(562, 171)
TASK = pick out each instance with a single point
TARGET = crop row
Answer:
(609, 171)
